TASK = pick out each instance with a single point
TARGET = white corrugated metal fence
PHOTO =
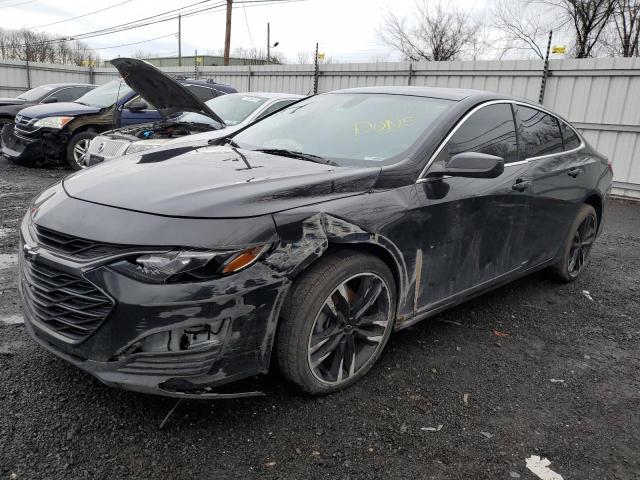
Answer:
(601, 96)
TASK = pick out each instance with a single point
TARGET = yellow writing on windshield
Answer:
(381, 126)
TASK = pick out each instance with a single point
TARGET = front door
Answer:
(132, 117)
(473, 229)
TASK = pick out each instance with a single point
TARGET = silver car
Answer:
(237, 110)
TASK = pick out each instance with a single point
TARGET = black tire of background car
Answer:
(85, 135)
(561, 269)
(300, 309)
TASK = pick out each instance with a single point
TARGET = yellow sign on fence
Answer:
(561, 49)
(321, 57)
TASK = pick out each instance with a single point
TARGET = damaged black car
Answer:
(309, 236)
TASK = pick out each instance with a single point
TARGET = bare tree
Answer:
(27, 45)
(440, 32)
(304, 57)
(588, 18)
(626, 20)
(524, 26)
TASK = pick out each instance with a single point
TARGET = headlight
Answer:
(53, 122)
(143, 145)
(188, 265)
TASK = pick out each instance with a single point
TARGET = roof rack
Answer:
(182, 77)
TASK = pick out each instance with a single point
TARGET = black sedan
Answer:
(51, 93)
(310, 235)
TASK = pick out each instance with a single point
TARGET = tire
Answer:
(315, 321)
(578, 244)
(78, 143)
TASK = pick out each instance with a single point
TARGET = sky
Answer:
(344, 29)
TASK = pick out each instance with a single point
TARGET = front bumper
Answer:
(147, 342)
(17, 149)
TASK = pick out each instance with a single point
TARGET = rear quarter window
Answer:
(569, 136)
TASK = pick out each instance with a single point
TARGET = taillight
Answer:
(610, 165)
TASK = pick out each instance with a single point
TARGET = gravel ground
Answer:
(449, 399)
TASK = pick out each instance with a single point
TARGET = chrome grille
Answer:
(108, 148)
(64, 303)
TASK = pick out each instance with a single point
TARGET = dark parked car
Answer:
(52, 93)
(319, 230)
(63, 131)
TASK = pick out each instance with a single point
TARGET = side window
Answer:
(569, 136)
(274, 107)
(203, 93)
(538, 132)
(138, 98)
(69, 94)
(490, 130)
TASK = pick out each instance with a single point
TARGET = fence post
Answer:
(316, 71)
(28, 73)
(410, 75)
(92, 75)
(545, 72)
(249, 73)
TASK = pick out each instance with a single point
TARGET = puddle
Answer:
(12, 320)
(8, 260)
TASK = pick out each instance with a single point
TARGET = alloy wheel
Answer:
(350, 328)
(581, 246)
(79, 150)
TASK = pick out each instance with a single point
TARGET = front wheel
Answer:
(577, 247)
(77, 147)
(336, 322)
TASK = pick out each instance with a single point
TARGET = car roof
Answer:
(456, 94)
(56, 85)
(269, 95)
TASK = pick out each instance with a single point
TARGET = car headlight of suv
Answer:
(141, 146)
(179, 266)
(53, 122)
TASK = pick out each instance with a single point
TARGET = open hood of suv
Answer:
(158, 88)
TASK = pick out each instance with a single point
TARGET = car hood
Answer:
(58, 109)
(158, 88)
(214, 182)
(11, 101)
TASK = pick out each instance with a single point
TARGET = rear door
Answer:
(472, 229)
(556, 172)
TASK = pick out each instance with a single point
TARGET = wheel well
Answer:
(372, 249)
(84, 128)
(596, 202)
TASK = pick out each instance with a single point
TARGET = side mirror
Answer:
(50, 100)
(137, 106)
(472, 165)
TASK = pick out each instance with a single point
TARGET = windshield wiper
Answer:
(301, 155)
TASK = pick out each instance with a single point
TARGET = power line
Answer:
(79, 16)
(16, 4)
(141, 22)
(135, 43)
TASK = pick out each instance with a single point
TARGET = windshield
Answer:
(36, 93)
(234, 108)
(105, 95)
(349, 128)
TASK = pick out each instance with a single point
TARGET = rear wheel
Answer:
(336, 322)
(575, 254)
(77, 147)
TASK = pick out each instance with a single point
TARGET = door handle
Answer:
(521, 185)
(574, 172)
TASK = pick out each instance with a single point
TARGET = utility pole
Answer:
(179, 40)
(227, 37)
(268, 42)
